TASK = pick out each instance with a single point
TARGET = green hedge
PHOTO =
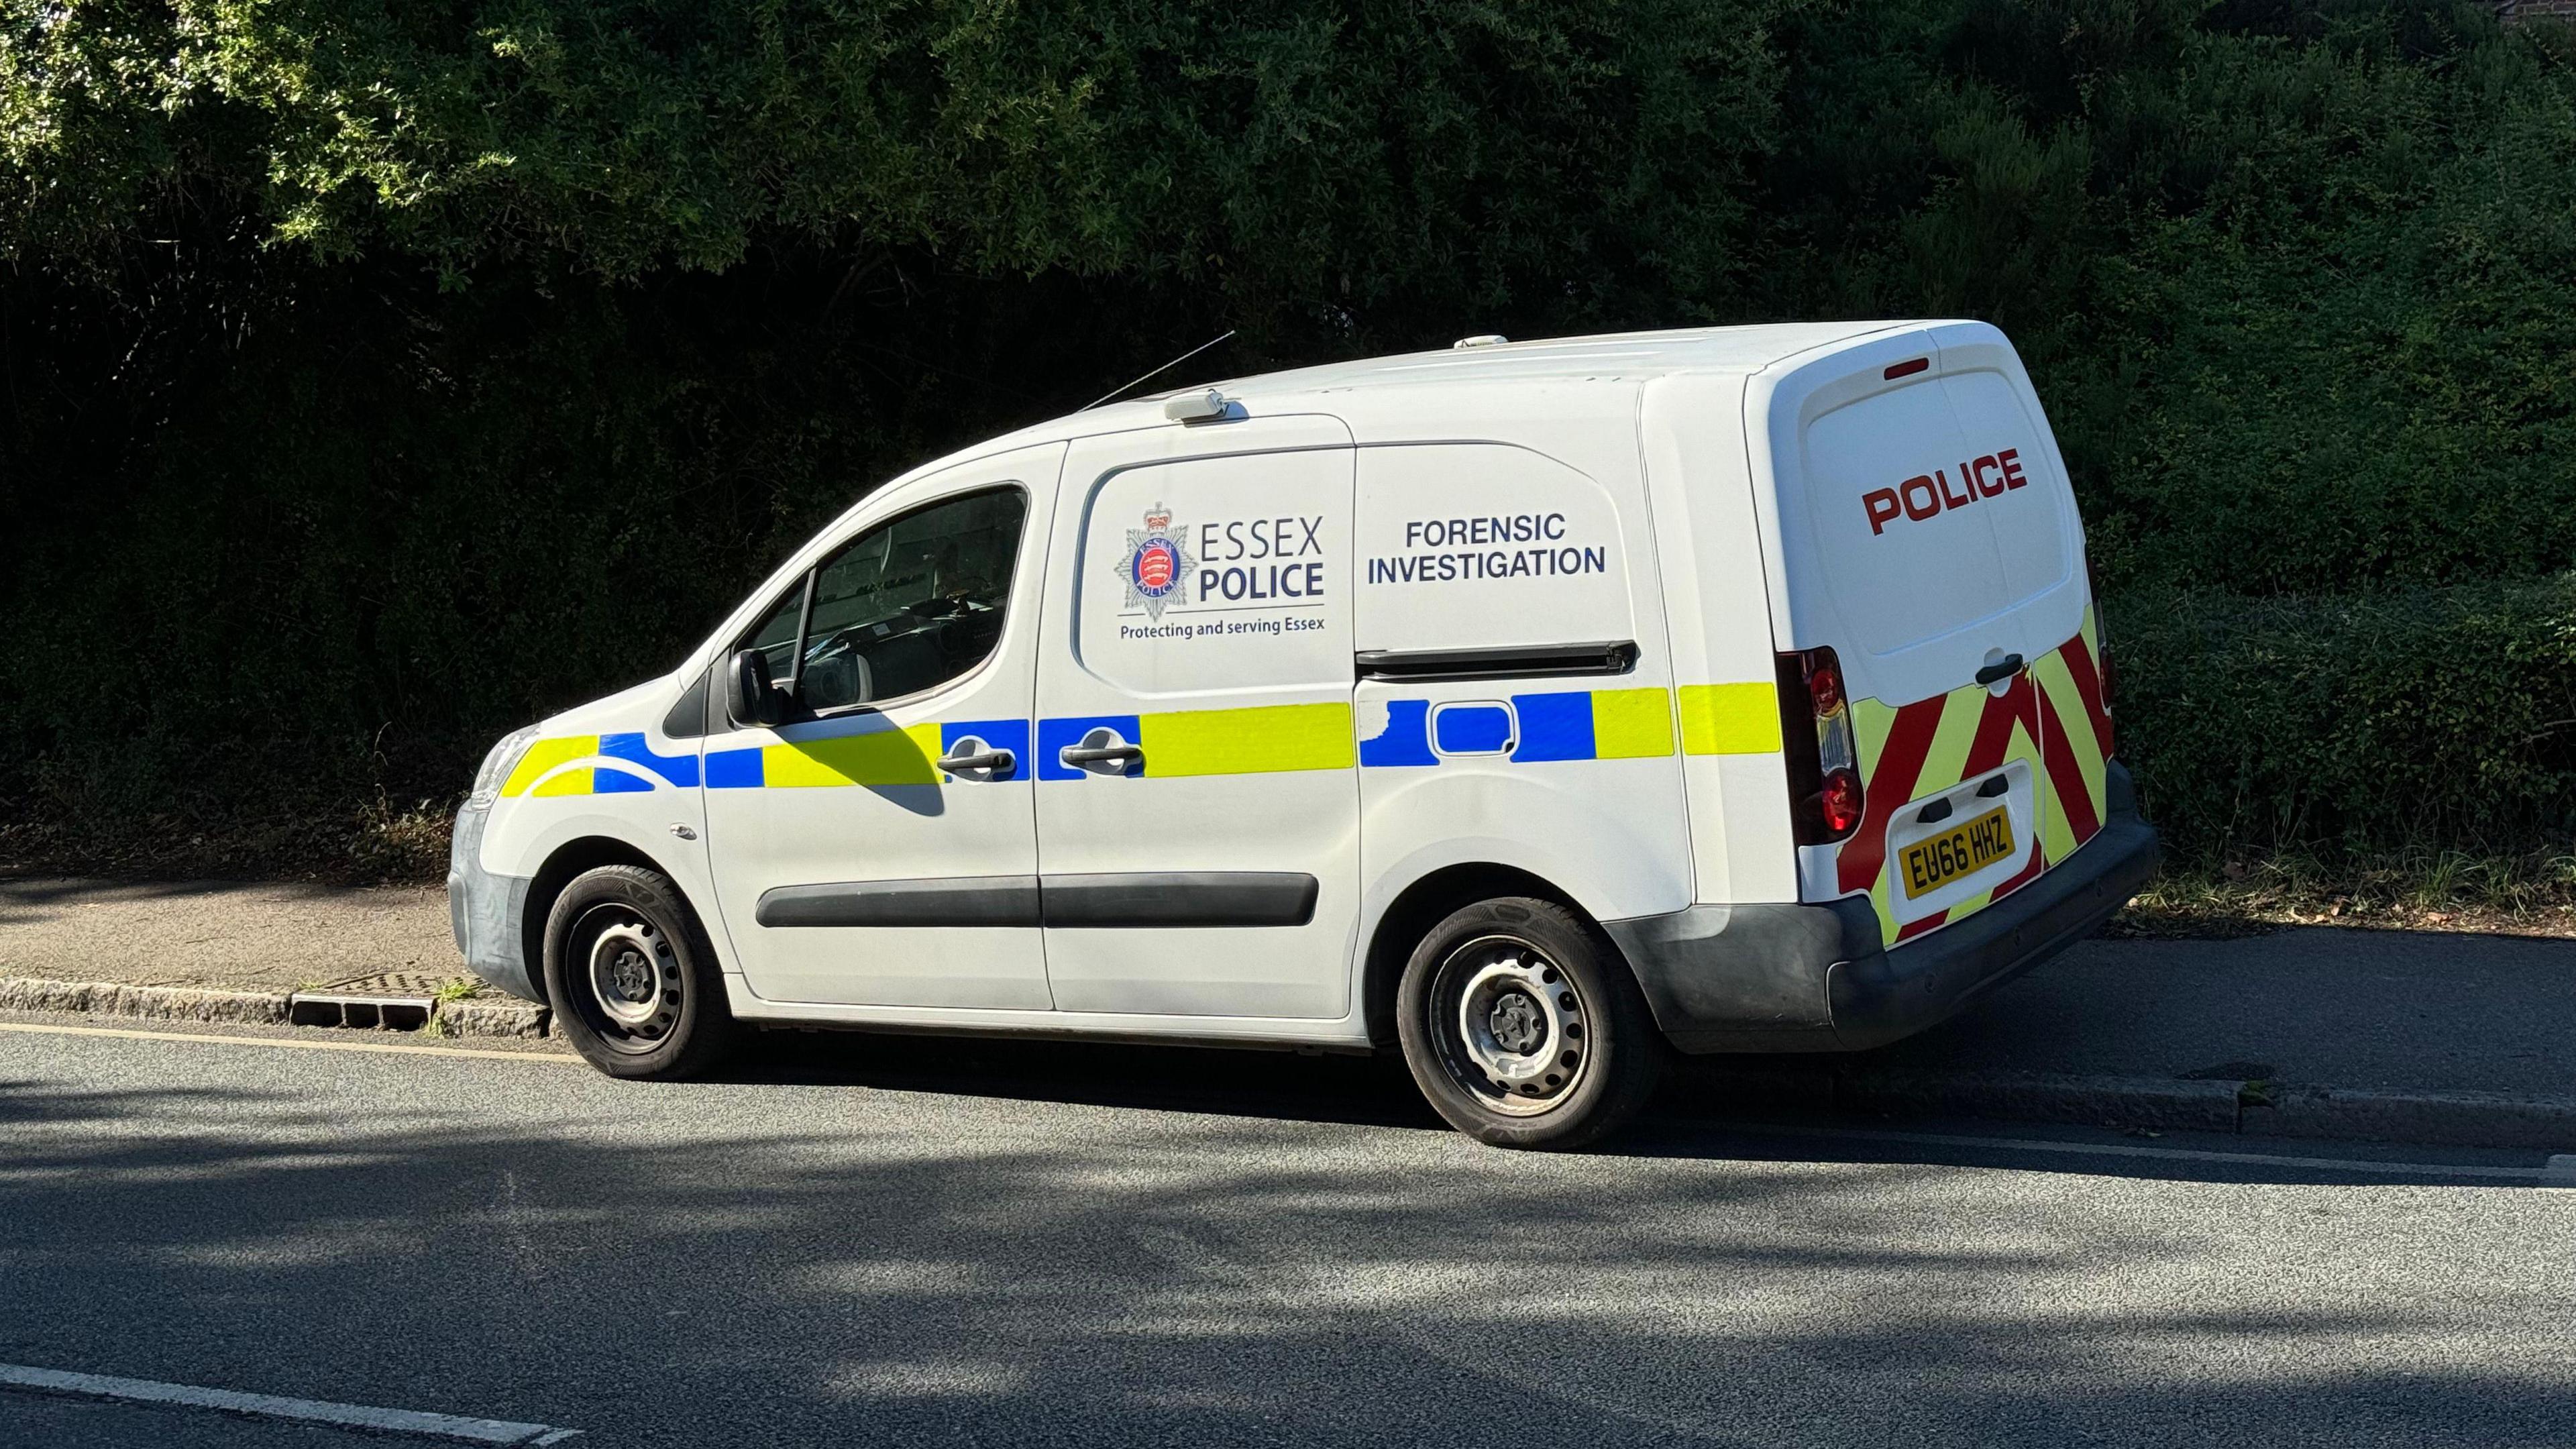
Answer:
(2355, 725)
(378, 375)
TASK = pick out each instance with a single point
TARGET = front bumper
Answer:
(1803, 978)
(488, 912)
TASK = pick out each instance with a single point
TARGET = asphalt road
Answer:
(860, 1241)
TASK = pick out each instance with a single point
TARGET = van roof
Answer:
(1612, 354)
(1627, 356)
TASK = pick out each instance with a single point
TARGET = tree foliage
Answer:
(380, 373)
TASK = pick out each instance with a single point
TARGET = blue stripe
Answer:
(1554, 726)
(997, 734)
(680, 770)
(735, 769)
(1405, 740)
(1473, 729)
(1055, 735)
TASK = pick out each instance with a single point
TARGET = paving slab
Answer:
(256, 936)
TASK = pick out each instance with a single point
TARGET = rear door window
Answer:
(1906, 548)
(2001, 456)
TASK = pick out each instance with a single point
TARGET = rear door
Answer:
(1198, 794)
(1923, 531)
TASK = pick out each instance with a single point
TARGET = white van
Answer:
(1534, 707)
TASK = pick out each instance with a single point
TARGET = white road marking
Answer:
(2540, 1175)
(267, 1406)
(291, 1042)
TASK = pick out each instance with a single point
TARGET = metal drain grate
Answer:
(392, 1000)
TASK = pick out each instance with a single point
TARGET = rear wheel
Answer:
(1524, 1029)
(632, 978)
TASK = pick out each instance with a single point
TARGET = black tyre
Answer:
(1524, 1028)
(632, 979)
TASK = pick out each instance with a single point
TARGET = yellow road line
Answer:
(279, 1041)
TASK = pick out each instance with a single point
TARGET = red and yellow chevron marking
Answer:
(2051, 716)
(2075, 735)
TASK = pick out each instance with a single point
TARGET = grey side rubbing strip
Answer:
(975, 900)
(1140, 898)
(1508, 662)
(1180, 898)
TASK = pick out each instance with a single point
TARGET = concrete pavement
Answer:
(233, 935)
(859, 1242)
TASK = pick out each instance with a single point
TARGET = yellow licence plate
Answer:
(1935, 861)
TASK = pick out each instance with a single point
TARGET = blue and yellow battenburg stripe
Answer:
(1599, 724)
(1582, 724)
(1265, 739)
(867, 751)
(625, 765)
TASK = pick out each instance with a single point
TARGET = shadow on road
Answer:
(995, 1246)
(1701, 1112)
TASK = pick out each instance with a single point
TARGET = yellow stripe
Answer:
(1730, 719)
(1256, 741)
(1871, 721)
(545, 755)
(1631, 724)
(1945, 763)
(891, 756)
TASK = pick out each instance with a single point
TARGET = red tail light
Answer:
(1825, 797)
(1840, 802)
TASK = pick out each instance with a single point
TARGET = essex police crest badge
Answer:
(1156, 568)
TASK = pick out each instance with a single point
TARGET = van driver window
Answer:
(904, 607)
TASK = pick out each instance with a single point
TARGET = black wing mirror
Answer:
(756, 698)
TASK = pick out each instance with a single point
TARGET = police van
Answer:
(1535, 709)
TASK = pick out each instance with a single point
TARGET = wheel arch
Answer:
(1424, 904)
(562, 865)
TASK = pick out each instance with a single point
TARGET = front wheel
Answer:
(632, 979)
(1524, 1029)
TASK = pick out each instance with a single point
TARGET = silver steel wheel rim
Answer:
(635, 978)
(1514, 1029)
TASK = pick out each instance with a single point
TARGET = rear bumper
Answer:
(1800, 978)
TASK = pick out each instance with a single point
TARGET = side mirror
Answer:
(755, 697)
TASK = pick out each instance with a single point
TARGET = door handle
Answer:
(1000, 762)
(2009, 664)
(1128, 758)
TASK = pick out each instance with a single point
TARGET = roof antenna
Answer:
(1157, 372)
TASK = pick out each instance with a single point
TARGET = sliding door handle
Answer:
(1127, 758)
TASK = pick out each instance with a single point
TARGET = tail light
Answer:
(1816, 736)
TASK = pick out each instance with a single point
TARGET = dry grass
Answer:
(2423, 890)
